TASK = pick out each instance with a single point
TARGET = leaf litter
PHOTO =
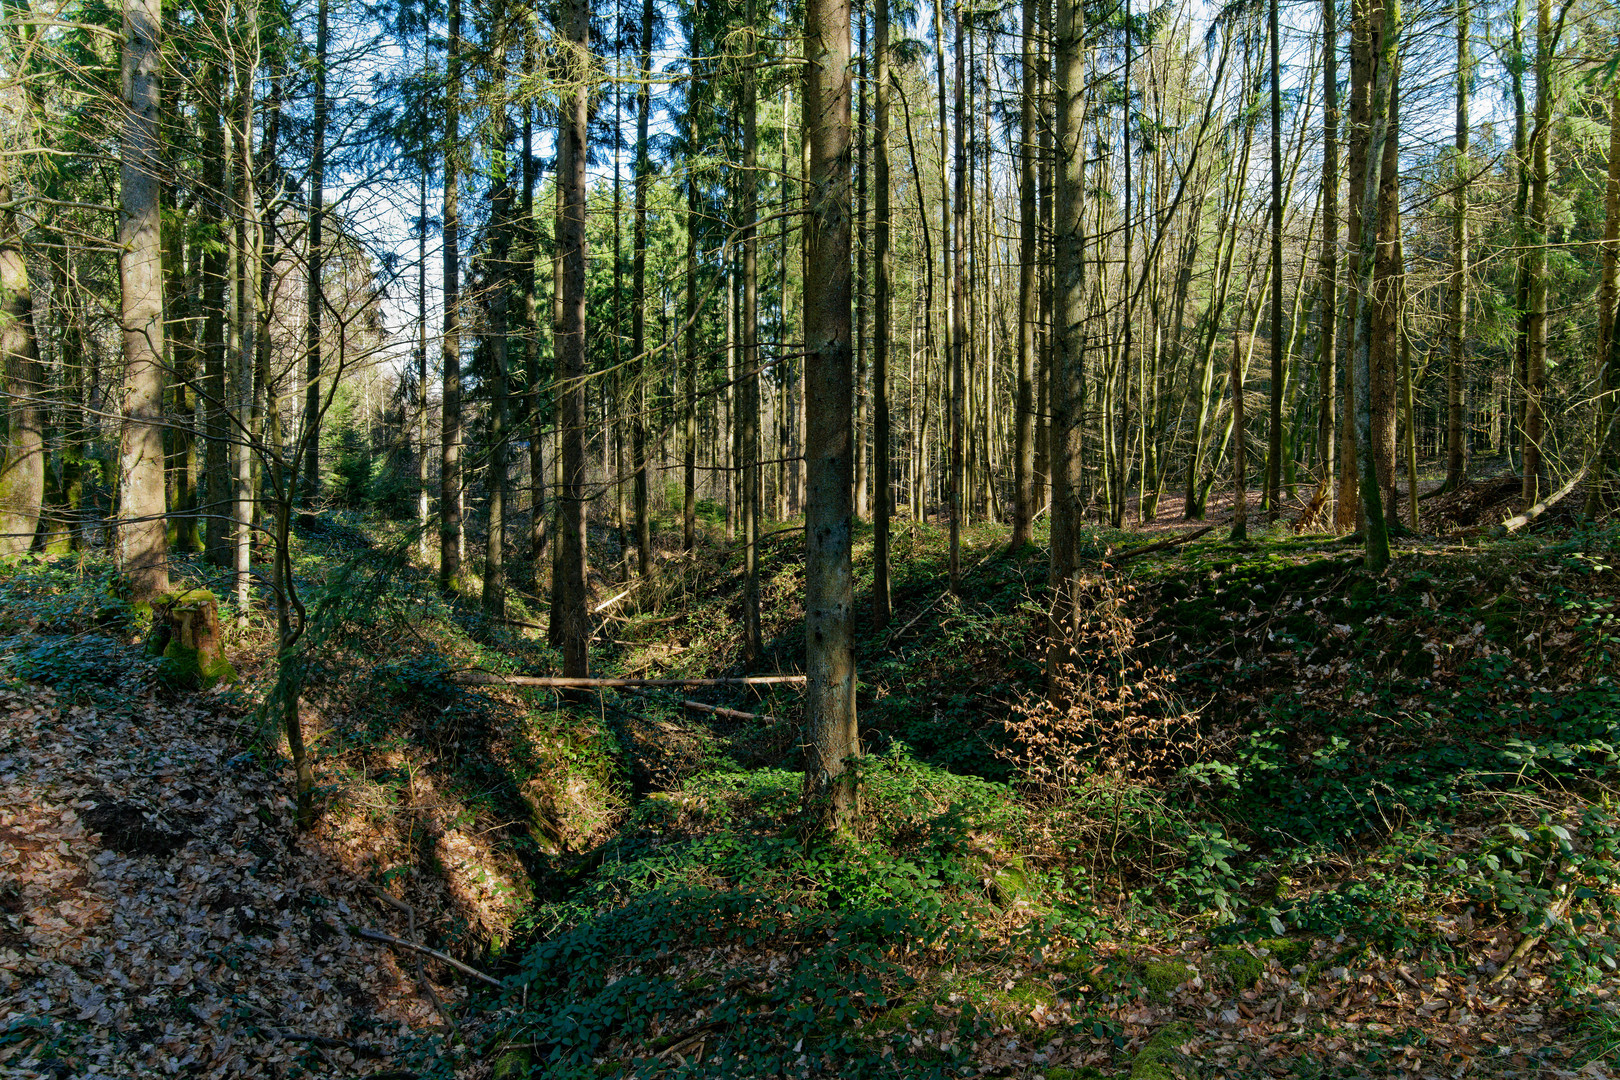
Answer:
(160, 916)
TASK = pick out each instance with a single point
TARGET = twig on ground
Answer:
(390, 939)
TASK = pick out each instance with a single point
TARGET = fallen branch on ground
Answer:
(390, 939)
(1555, 915)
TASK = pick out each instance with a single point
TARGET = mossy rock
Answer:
(1159, 1059)
(1063, 1072)
(513, 1064)
(183, 667)
(1161, 977)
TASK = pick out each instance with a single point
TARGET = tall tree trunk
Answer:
(862, 506)
(1068, 325)
(1327, 360)
(1240, 462)
(1380, 74)
(143, 549)
(217, 440)
(1535, 484)
(829, 713)
(1516, 65)
(22, 454)
(254, 316)
(1274, 437)
(493, 596)
(421, 357)
(638, 294)
(1608, 358)
(694, 207)
(1024, 499)
(748, 319)
(1388, 273)
(450, 345)
(882, 487)
(569, 602)
(1456, 374)
(531, 338)
(316, 254)
(1348, 500)
(958, 301)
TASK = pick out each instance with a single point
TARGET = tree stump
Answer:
(185, 633)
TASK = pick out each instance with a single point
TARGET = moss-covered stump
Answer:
(185, 632)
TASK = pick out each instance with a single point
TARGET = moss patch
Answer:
(1010, 885)
(1073, 962)
(1243, 964)
(512, 1065)
(1155, 1061)
(1161, 977)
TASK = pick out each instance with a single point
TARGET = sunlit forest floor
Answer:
(1292, 820)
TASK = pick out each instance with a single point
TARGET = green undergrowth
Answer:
(1375, 765)
(715, 901)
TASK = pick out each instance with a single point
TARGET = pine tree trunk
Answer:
(1608, 358)
(1457, 328)
(862, 506)
(22, 453)
(143, 553)
(1274, 437)
(689, 371)
(748, 322)
(315, 253)
(1327, 358)
(569, 604)
(638, 296)
(829, 714)
(450, 539)
(958, 301)
(1380, 74)
(1024, 500)
(493, 596)
(1068, 325)
(882, 488)
(1535, 481)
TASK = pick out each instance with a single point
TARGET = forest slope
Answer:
(1330, 845)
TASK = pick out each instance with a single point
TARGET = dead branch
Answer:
(1160, 545)
(729, 714)
(567, 682)
(390, 939)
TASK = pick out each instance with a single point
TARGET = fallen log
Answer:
(1519, 521)
(1160, 545)
(569, 682)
